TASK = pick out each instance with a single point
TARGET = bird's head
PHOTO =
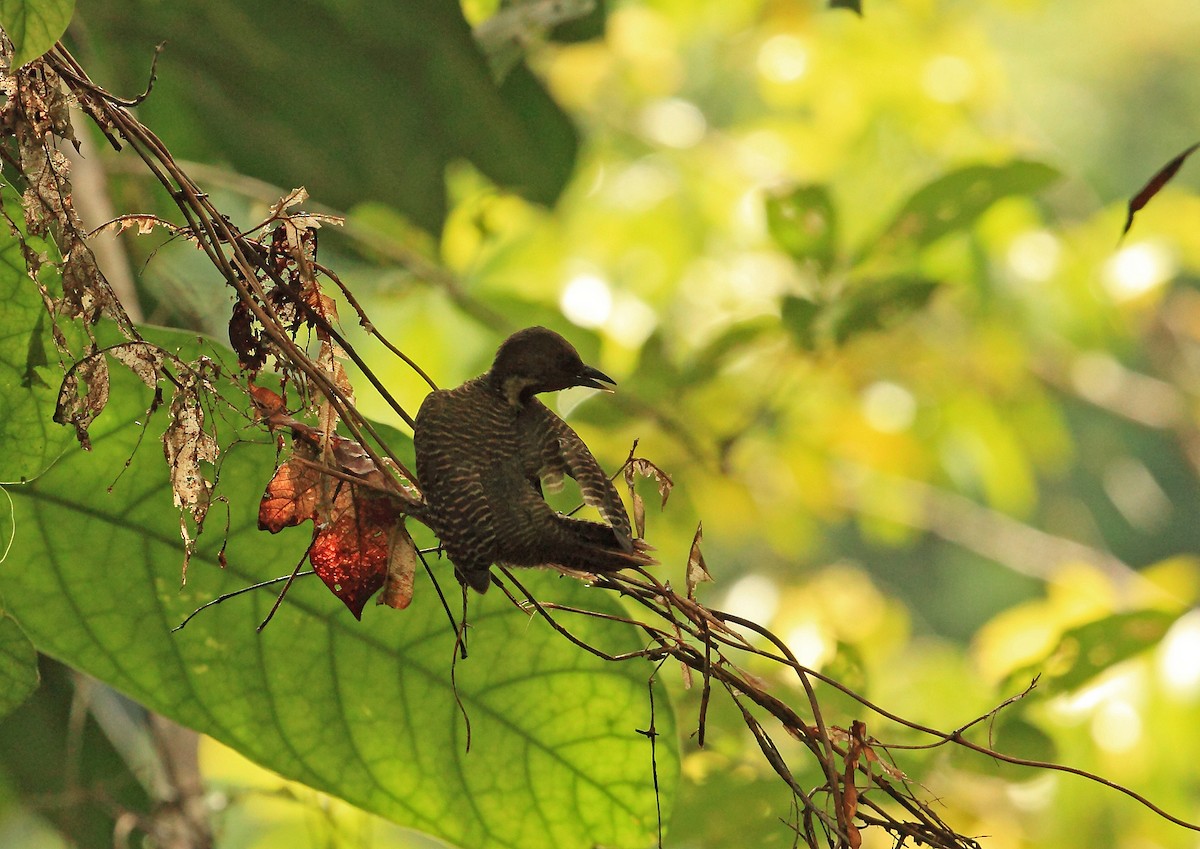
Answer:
(537, 360)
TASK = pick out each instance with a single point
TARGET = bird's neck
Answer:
(515, 390)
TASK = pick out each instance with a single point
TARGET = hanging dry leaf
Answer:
(352, 554)
(697, 571)
(401, 569)
(141, 358)
(187, 445)
(81, 410)
(1155, 185)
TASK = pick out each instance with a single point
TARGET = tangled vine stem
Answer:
(860, 787)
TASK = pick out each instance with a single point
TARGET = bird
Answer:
(484, 451)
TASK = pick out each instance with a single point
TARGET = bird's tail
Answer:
(595, 547)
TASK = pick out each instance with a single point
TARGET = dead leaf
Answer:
(352, 555)
(81, 410)
(1155, 185)
(697, 571)
(187, 446)
(401, 569)
(141, 358)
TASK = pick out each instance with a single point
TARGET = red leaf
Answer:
(1155, 185)
(352, 555)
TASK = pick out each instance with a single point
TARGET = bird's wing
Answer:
(561, 451)
(449, 470)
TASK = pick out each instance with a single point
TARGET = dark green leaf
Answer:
(1084, 652)
(803, 222)
(954, 201)
(800, 319)
(877, 304)
(1014, 735)
(852, 5)
(34, 25)
(28, 387)
(18, 665)
(302, 93)
(365, 711)
(62, 764)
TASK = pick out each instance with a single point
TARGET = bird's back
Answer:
(480, 461)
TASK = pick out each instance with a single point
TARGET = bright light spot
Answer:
(1117, 726)
(809, 644)
(888, 407)
(783, 58)
(948, 79)
(632, 320)
(1034, 255)
(754, 597)
(673, 122)
(643, 184)
(1033, 795)
(1137, 269)
(1179, 656)
(587, 300)
(1135, 492)
(1110, 687)
(764, 156)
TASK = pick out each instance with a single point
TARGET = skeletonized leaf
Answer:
(697, 571)
(80, 410)
(1155, 185)
(186, 445)
(141, 358)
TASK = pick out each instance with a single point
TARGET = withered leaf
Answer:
(641, 466)
(291, 497)
(401, 569)
(141, 358)
(187, 445)
(81, 410)
(352, 555)
(1155, 185)
(697, 571)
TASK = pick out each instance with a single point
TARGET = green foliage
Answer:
(955, 201)
(18, 665)
(34, 25)
(365, 712)
(802, 221)
(357, 105)
(28, 382)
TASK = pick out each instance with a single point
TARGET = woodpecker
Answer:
(484, 451)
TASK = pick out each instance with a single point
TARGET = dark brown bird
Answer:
(484, 450)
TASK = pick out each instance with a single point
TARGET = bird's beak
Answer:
(594, 378)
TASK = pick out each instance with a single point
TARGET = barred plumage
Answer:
(483, 451)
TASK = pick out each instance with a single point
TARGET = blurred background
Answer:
(861, 282)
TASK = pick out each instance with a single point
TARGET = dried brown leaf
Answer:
(141, 358)
(697, 571)
(1155, 185)
(80, 410)
(187, 445)
(401, 569)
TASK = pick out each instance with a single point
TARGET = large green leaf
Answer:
(34, 25)
(48, 750)
(18, 665)
(365, 711)
(29, 440)
(355, 101)
(955, 200)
